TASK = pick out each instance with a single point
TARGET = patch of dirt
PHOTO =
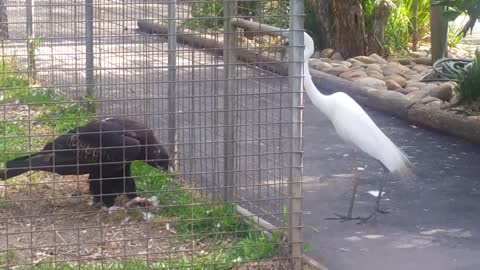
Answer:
(46, 216)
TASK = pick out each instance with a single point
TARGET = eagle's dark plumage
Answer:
(103, 149)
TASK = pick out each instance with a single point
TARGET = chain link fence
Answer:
(209, 81)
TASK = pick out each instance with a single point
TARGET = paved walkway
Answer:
(435, 225)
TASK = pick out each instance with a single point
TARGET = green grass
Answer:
(31, 96)
(468, 88)
(455, 35)
(64, 117)
(7, 257)
(57, 114)
(14, 141)
(398, 32)
(16, 88)
(6, 205)
(196, 216)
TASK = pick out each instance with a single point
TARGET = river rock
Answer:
(401, 90)
(415, 83)
(375, 67)
(395, 68)
(326, 60)
(419, 54)
(327, 53)
(429, 86)
(429, 99)
(353, 75)
(410, 89)
(344, 63)
(417, 95)
(423, 61)
(359, 64)
(435, 103)
(337, 56)
(443, 92)
(365, 59)
(399, 79)
(375, 74)
(320, 65)
(372, 83)
(392, 85)
(378, 59)
(404, 61)
(420, 68)
(336, 70)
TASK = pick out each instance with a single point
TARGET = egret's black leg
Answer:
(344, 218)
(377, 201)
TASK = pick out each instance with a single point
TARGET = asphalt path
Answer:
(434, 224)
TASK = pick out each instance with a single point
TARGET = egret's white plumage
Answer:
(354, 126)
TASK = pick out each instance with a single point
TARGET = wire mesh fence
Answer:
(211, 147)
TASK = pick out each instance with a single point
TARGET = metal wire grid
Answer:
(131, 79)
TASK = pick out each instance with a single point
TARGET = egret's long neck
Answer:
(317, 98)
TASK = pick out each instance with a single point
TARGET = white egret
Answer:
(355, 127)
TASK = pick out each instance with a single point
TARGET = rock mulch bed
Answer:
(400, 74)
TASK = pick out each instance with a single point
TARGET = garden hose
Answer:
(448, 69)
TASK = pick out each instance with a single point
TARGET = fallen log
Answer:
(213, 43)
(451, 123)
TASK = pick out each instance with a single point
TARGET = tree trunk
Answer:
(350, 28)
(320, 22)
(415, 25)
(3, 20)
(380, 20)
(438, 33)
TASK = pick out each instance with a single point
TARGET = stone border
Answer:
(391, 102)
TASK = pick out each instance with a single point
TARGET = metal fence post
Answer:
(89, 64)
(295, 74)
(30, 40)
(3, 20)
(229, 99)
(172, 77)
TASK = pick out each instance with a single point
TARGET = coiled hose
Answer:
(448, 69)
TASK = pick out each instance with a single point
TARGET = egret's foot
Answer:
(383, 211)
(363, 220)
(343, 218)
